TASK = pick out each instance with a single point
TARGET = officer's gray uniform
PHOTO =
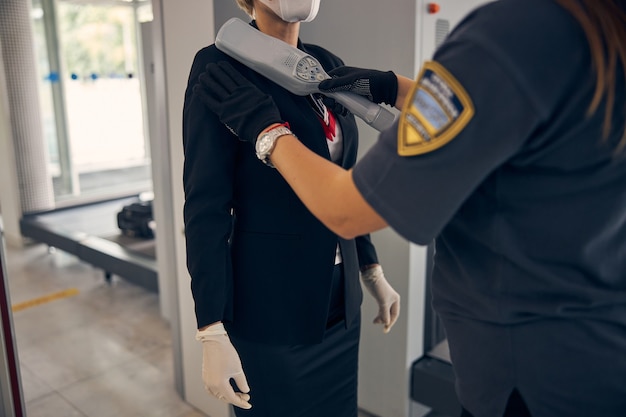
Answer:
(496, 159)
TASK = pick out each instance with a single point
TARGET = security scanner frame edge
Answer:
(11, 393)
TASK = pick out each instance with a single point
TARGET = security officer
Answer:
(511, 152)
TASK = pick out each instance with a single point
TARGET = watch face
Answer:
(266, 142)
(264, 145)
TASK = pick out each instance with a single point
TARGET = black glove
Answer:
(376, 86)
(238, 103)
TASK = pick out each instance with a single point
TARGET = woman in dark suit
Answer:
(277, 294)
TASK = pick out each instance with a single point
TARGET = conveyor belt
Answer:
(90, 233)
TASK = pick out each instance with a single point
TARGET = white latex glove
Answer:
(220, 363)
(387, 298)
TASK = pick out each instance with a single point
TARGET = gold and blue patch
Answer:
(436, 110)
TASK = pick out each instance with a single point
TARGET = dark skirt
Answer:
(304, 380)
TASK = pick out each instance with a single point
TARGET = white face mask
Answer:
(294, 10)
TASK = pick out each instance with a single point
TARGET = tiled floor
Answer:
(104, 352)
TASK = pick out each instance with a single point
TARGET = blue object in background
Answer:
(53, 77)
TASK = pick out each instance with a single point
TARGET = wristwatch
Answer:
(265, 144)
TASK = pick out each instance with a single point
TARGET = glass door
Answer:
(89, 54)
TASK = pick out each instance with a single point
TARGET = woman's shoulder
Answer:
(210, 53)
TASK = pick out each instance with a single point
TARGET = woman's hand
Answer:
(220, 364)
(387, 298)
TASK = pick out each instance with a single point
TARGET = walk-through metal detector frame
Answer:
(11, 394)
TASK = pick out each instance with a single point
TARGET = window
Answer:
(92, 96)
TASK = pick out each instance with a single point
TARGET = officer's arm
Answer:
(326, 189)
(404, 87)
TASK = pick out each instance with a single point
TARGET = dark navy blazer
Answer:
(258, 259)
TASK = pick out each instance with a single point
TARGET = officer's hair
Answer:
(604, 23)
(247, 6)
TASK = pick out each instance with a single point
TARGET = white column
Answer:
(9, 193)
(20, 71)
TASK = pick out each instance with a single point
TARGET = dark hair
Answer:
(604, 23)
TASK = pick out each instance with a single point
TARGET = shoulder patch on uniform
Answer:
(436, 110)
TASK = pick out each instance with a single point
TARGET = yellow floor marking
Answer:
(45, 299)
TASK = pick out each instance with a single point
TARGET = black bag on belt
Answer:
(137, 220)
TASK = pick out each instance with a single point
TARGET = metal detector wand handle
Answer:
(374, 115)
